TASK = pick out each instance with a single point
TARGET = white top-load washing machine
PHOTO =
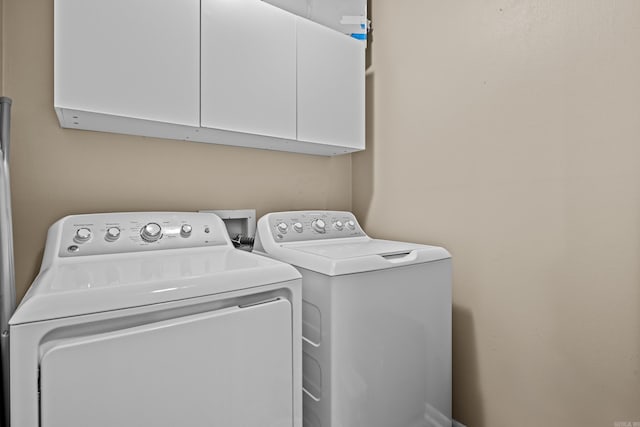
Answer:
(154, 319)
(376, 321)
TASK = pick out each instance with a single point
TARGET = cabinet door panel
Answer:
(248, 68)
(131, 58)
(330, 95)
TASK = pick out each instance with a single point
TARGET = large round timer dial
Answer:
(151, 232)
(319, 226)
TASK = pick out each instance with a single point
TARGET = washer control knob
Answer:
(319, 226)
(185, 230)
(282, 227)
(112, 234)
(298, 227)
(338, 225)
(351, 224)
(82, 235)
(151, 232)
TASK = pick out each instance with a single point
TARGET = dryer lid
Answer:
(112, 282)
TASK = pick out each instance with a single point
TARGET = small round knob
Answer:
(298, 227)
(283, 227)
(151, 232)
(351, 224)
(112, 234)
(185, 230)
(338, 225)
(319, 226)
(82, 235)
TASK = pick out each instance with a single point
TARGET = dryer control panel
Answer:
(313, 225)
(95, 234)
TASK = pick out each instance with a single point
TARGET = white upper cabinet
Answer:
(346, 16)
(236, 72)
(248, 68)
(131, 58)
(331, 87)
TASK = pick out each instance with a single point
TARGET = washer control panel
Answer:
(95, 234)
(313, 225)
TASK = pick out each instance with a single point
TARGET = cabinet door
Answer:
(344, 16)
(231, 368)
(248, 68)
(132, 58)
(330, 83)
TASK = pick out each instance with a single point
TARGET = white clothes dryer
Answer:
(376, 321)
(154, 319)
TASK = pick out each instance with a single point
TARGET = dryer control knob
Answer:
(282, 227)
(298, 227)
(338, 225)
(151, 232)
(351, 224)
(319, 226)
(185, 230)
(82, 235)
(112, 234)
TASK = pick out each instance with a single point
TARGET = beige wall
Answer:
(509, 132)
(56, 172)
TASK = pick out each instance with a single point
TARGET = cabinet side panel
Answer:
(132, 58)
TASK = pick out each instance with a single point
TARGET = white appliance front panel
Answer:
(377, 347)
(231, 368)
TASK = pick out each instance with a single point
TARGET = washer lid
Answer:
(356, 255)
(341, 250)
(88, 285)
